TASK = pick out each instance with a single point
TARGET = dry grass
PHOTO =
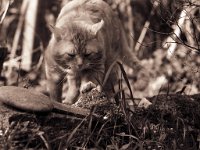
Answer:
(172, 122)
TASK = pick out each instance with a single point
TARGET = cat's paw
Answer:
(71, 96)
(87, 87)
(143, 79)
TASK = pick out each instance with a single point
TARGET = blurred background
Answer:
(164, 34)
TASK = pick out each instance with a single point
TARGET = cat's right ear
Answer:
(56, 32)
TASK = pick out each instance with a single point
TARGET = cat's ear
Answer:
(95, 27)
(56, 32)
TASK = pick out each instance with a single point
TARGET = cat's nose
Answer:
(79, 62)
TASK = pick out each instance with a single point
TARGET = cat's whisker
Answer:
(62, 81)
(95, 64)
(98, 70)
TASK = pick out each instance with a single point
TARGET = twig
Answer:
(44, 140)
(3, 55)
(17, 36)
(130, 23)
(170, 43)
(190, 26)
(145, 28)
(2, 16)
(75, 130)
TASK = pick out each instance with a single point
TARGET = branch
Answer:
(28, 39)
(17, 36)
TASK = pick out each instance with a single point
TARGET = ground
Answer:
(170, 122)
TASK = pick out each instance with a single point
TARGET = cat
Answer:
(86, 40)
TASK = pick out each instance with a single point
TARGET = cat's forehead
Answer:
(74, 32)
(78, 39)
(69, 47)
(78, 44)
(93, 45)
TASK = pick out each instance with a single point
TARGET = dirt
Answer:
(171, 121)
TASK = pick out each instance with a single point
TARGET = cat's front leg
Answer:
(73, 90)
(54, 85)
(55, 90)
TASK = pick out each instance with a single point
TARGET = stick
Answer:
(171, 41)
(146, 26)
(3, 14)
(17, 36)
(28, 39)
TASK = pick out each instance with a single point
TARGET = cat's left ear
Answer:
(96, 27)
(56, 32)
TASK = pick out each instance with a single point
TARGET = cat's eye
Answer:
(71, 55)
(87, 55)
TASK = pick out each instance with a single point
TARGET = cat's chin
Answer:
(79, 71)
(71, 73)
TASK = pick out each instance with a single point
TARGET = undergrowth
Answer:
(171, 122)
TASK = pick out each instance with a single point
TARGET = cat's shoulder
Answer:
(80, 3)
(87, 5)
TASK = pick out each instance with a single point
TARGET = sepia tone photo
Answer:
(100, 74)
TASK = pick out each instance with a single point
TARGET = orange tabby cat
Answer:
(87, 39)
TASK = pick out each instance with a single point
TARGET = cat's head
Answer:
(79, 47)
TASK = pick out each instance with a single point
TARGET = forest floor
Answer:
(169, 122)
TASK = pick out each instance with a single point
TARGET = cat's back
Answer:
(84, 6)
(93, 10)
